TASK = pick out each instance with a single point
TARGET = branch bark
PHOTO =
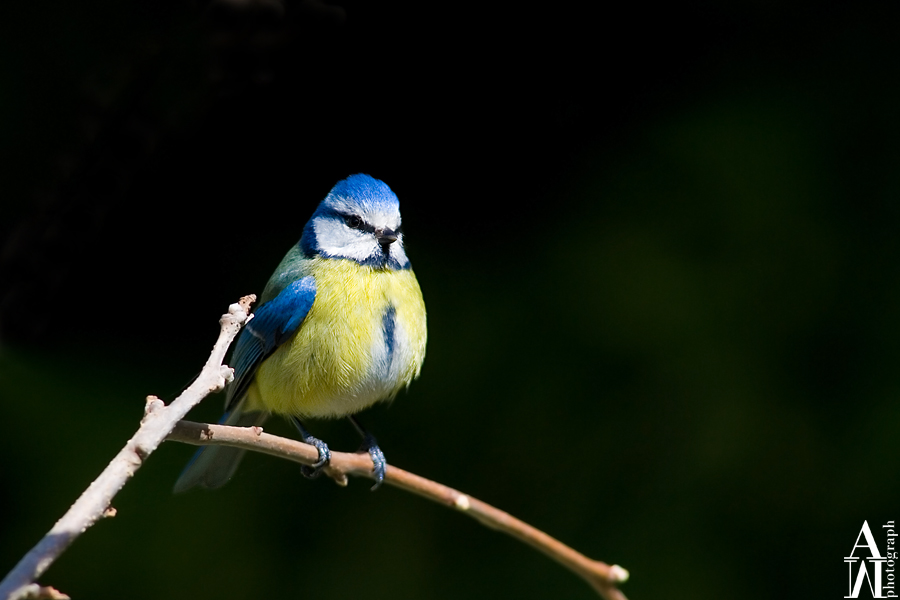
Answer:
(602, 577)
(94, 503)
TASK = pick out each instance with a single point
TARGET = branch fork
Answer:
(96, 502)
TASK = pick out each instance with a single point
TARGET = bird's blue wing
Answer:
(272, 325)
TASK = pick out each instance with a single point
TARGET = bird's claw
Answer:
(314, 470)
(379, 464)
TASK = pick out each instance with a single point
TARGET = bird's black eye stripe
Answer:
(356, 222)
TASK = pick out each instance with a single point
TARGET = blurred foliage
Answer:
(658, 249)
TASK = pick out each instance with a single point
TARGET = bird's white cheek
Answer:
(336, 239)
(399, 253)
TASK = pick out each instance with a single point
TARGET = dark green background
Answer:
(658, 248)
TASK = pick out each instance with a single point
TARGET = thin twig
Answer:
(601, 576)
(94, 503)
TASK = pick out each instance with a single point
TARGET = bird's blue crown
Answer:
(364, 191)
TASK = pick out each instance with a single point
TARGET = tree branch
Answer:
(94, 503)
(600, 576)
(162, 422)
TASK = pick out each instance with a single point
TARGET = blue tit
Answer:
(340, 326)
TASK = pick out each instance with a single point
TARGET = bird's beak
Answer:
(385, 237)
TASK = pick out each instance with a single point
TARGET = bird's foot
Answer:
(370, 445)
(314, 470)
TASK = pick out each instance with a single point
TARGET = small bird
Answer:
(341, 326)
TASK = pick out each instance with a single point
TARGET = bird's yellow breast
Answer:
(362, 341)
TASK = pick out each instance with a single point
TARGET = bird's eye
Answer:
(353, 221)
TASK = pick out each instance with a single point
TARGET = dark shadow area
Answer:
(658, 249)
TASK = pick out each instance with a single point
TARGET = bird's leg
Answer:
(370, 445)
(313, 471)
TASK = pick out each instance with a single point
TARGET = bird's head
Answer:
(358, 220)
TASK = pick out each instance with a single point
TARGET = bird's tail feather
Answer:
(212, 466)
